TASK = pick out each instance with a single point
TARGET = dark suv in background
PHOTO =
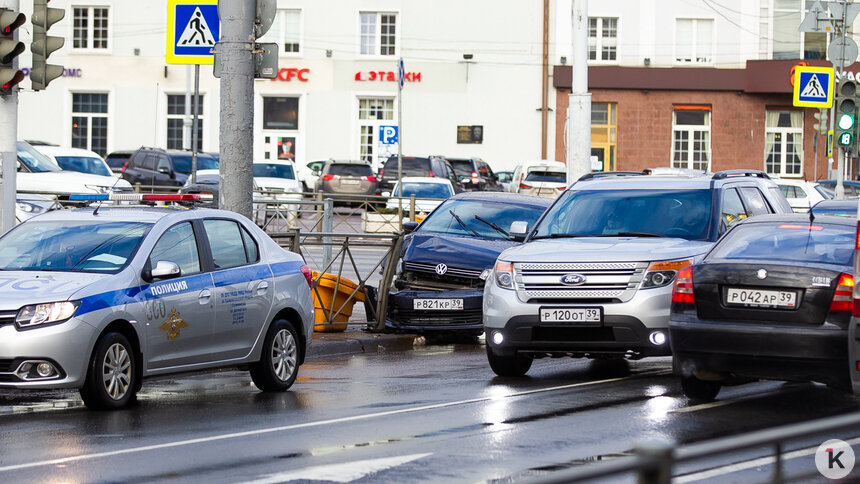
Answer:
(475, 174)
(433, 166)
(169, 168)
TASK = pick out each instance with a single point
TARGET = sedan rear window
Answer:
(547, 176)
(424, 190)
(344, 169)
(816, 242)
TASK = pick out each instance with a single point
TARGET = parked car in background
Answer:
(28, 205)
(841, 208)
(439, 283)
(431, 166)
(116, 160)
(852, 188)
(39, 174)
(276, 176)
(544, 181)
(505, 178)
(348, 177)
(156, 167)
(308, 174)
(772, 300)
(475, 174)
(77, 159)
(429, 193)
(801, 194)
(518, 184)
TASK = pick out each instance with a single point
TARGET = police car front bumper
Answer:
(65, 346)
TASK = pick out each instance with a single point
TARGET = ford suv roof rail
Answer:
(741, 172)
(601, 174)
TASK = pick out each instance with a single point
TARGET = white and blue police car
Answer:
(99, 299)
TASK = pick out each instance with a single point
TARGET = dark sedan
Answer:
(439, 284)
(842, 208)
(771, 300)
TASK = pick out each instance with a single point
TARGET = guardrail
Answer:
(655, 462)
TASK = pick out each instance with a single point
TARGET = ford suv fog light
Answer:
(498, 337)
(657, 338)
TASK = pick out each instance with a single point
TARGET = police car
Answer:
(100, 298)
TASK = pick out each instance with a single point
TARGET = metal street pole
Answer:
(194, 128)
(400, 73)
(579, 101)
(843, 153)
(186, 122)
(237, 105)
(8, 145)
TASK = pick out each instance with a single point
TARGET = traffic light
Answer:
(846, 114)
(820, 124)
(43, 44)
(10, 48)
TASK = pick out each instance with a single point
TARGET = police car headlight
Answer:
(47, 313)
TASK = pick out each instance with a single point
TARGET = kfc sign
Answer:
(386, 76)
(289, 73)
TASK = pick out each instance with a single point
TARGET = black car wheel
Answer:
(516, 365)
(279, 364)
(700, 390)
(110, 382)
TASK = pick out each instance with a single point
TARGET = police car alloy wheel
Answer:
(278, 366)
(111, 375)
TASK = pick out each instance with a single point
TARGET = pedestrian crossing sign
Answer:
(193, 29)
(813, 87)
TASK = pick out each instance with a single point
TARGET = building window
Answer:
(787, 44)
(286, 31)
(372, 113)
(694, 41)
(378, 33)
(783, 142)
(281, 113)
(89, 122)
(602, 38)
(90, 27)
(691, 137)
(176, 122)
(603, 129)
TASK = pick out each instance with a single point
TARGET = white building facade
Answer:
(473, 68)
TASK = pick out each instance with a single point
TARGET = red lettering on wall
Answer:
(288, 73)
(416, 76)
(303, 74)
(388, 76)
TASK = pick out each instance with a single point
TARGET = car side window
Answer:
(754, 201)
(799, 192)
(149, 162)
(179, 245)
(252, 252)
(226, 243)
(732, 210)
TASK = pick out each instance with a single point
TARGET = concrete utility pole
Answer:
(579, 101)
(237, 105)
(8, 145)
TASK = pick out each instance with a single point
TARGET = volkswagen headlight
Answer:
(45, 313)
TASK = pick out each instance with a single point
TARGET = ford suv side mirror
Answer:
(519, 230)
(164, 269)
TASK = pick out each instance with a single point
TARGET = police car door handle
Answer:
(262, 287)
(204, 296)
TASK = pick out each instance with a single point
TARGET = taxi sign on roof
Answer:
(193, 29)
(813, 87)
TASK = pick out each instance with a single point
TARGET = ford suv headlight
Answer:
(660, 274)
(504, 274)
(46, 313)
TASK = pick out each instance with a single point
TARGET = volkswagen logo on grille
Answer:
(761, 274)
(441, 269)
(573, 279)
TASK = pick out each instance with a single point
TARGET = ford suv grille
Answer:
(616, 281)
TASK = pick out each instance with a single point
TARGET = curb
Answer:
(354, 342)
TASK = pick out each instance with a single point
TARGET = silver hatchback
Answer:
(101, 299)
(347, 177)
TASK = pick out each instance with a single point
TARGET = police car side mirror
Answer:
(164, 269)
(519, 230)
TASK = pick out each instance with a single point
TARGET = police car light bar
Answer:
(134, 197)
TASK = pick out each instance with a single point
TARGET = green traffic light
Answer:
(846, 121)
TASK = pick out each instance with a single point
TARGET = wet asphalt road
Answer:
(435, 414)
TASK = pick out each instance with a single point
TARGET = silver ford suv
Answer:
(594, 278)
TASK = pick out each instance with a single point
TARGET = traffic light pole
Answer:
(8, 146)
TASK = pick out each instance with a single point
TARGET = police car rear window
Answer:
(70, 246)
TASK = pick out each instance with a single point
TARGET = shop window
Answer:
(691, 137)
(783, 142)
(281, 113)
(603, 133)
(89, 121)
(176, 122)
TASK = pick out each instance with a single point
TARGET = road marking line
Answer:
(249, 433)
(742, 466)
(345, 472)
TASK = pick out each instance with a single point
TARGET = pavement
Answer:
(355, 340)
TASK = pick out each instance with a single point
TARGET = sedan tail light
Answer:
(475, 179)
(842, 297)
(308, 275)
(328, 177)
(370, 178)
(682, 291)
(431, 173)
(561, 188)
(523, 186)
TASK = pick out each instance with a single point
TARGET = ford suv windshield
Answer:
(70, 246)
(605, 213)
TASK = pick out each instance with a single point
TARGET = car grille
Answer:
(7, 317)
(424, 275)
(6, 366)
(427, 318)
(604, 280)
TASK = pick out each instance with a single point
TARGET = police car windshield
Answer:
(70, 246)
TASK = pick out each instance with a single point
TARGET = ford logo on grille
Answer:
(573, 279)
